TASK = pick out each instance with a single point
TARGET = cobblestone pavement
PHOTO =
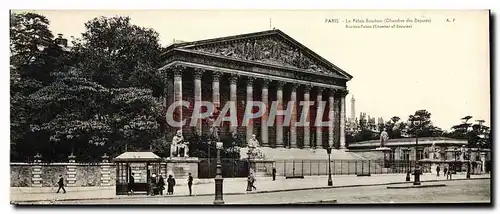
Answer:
(459, 191)
(231, 186)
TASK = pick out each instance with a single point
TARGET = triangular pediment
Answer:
(270, 47)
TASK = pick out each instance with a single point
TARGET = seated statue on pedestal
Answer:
(178, 143)
(177, 139)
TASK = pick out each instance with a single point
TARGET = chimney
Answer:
(61, 41)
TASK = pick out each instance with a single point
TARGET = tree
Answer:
(117, 54)
(477, 135)
(420, 123)
(34, 57)
(124, 59)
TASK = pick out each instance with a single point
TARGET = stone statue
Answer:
(253, 142)
(384, 137)
(253, 148)
(184, 145)
(462, 153)
(176, 140)
(432, 151)
(214, 129)
(437, 154)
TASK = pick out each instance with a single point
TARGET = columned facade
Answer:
(307, 125)
(293, 119)
(256, 75)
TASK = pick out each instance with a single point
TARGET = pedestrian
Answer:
(171, 184)
(152, 186)
(249, 183)
(274, 173)
(445, 171)
(61, 184)
(161, 185)
(252, 181)
(190, 184)
(448, 175)
(131, 183)
(437, 170)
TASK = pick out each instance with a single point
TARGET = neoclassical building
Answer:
(263, 66)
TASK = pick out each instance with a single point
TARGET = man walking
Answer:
(131, 183)
(437, 170)
(274, 173)
(190, 184)
(61, 184)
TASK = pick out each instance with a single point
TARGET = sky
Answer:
(440, 64)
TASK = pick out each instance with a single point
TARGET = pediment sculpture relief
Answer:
(268, 50)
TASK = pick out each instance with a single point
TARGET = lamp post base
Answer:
(330, 182)
(218, 191)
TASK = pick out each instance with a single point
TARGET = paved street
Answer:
(454, 192)
(231, 186)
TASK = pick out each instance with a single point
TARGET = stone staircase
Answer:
(312, 162)
(303, 154)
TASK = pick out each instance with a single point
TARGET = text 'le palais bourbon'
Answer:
(378, 23)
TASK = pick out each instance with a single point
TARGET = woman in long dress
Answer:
(171, 184)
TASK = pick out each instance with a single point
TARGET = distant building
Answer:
(404, 148)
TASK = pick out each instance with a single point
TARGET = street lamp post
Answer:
(408, 166)
(330, 182)
(417, 171)
(218, 178)
(468, 164)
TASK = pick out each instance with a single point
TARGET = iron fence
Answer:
(231, 168)
(291, 168)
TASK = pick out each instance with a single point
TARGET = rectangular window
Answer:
(406, 155)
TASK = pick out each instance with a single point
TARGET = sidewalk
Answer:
(231, 186)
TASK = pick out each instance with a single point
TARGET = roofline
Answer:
(262, 33)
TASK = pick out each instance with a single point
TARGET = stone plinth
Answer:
(36, 172)
(373, 154)
(262, 167)
(180, 167)
(71, 172)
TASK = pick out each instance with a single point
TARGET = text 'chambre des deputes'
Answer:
(379, 22)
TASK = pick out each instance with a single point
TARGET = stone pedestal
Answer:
(483, 161)
(71, 171)
(180, 167)
(433, 168)
(36, 172)
(262, 167)
(105, 171)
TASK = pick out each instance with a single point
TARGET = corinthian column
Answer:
(197, 98)
(263, 126)
(178, 69)
(215, 88)
(279, 118)
(307, 129)
(293, 118)
(249, 101)
(330, 117)
(342, 119)
(319, 119)
(232, 97)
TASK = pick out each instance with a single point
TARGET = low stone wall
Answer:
(86, 174)
(20, 175)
